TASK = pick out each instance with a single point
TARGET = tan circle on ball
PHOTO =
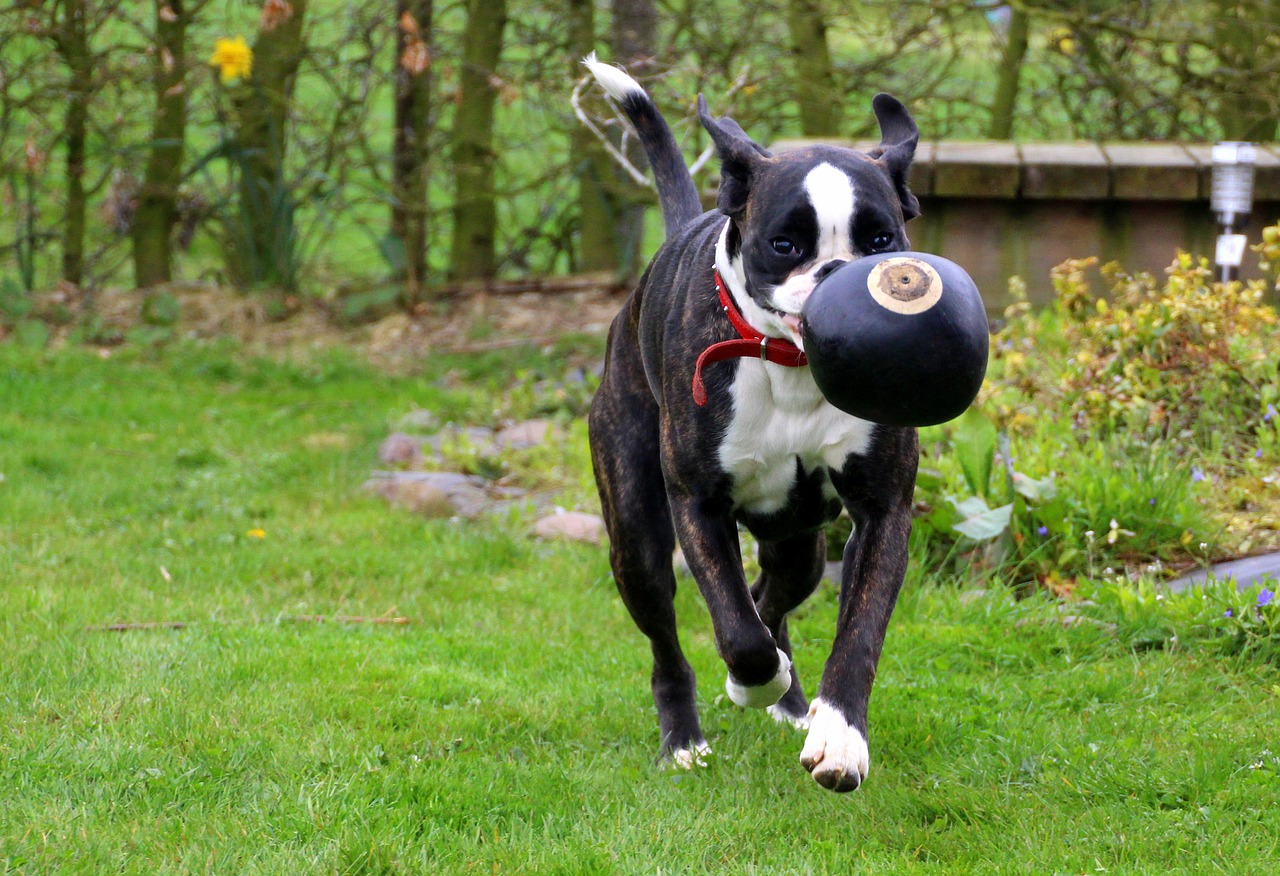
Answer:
(905, 285)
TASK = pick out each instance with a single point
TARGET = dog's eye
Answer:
(784, 246)
(881, 241)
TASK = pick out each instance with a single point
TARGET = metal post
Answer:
(1232, 200)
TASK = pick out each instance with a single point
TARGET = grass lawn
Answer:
(508, 728)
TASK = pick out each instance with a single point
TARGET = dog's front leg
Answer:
(759, 672)
(875, 560)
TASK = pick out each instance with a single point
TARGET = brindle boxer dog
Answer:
(708, 419)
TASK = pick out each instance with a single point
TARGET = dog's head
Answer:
(796, 217)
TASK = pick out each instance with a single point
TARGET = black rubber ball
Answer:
(897, 338)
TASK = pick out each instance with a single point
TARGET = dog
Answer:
(707, 419)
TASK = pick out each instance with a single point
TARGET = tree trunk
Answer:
(634, 29)
(474, 208)
(72, 40)
(411, 148)
(1015, 49)
(816, 90)
(262, 115)
(158, 197)
(597, 208)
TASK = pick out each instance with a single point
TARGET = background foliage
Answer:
(293, 178)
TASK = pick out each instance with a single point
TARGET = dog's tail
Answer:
(676, 192)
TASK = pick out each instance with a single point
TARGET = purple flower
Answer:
(1228, 613)
(1196, 473)
(1151, 501)
(1265, 596)
(1257, 454)
(1270, 414)
(1042, 531)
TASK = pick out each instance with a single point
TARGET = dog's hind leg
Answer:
(624, 450)
(789, 573)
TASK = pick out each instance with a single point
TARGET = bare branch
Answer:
(575, 100)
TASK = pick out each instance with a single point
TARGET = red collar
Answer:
(751, 343)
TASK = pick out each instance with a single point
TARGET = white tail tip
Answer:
(617, 84)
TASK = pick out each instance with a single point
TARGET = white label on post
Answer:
(1230, 250)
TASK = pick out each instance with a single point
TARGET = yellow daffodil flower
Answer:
(233, 58)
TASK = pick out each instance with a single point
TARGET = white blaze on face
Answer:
(831, 194)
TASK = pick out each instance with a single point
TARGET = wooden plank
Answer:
(1152, 172)
(1068, 171)
(977, 169)
(1266, 180)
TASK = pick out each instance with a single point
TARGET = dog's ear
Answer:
(740, 157)
(898, 138)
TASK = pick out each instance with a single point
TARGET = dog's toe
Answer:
(782, 716)
(835, 753)
(691, 757)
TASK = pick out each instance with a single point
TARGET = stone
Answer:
(477, 439)
(415, 496)
(571, 526)
(418, 421)
(433, 493)
(522, 436)
(400, 449)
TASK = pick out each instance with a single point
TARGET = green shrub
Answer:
(1044, 507)
(1102, 422)
(1155, 359)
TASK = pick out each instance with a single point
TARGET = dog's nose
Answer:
(828, 268)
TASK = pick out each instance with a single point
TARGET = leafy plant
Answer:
(1086, 507)
(1250, 620)
(1152, 358)
(1218, 615)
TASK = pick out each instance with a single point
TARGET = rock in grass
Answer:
(399, 448)
(570, 526)
(476, 439)
(432, 493)
(419, 421)
(524, 435)
(420, 498)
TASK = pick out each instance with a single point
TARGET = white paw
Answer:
(782, 716)
(692, 757)
(762, 695)
(834, 753)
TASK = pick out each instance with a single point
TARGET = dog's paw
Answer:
(764, 694)
(691, 757)
(834, 753)
(782, 716)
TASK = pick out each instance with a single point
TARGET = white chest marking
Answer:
(779, 416)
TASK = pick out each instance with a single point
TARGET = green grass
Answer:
(509, 727)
